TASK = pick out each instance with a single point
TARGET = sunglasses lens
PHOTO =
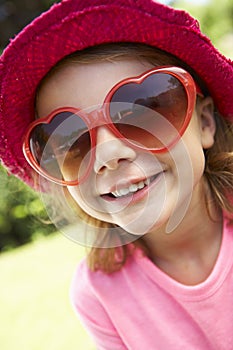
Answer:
(152, 113)
(62, 143)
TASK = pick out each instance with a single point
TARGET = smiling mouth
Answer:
(132, 188)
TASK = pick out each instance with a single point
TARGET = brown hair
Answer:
(219, 158)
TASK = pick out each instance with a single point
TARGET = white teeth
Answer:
(123, 191)
(141, 185)
(131, 189)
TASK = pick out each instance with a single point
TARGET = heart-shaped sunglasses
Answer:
(149, 112)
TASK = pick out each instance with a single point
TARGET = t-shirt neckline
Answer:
(204, 289)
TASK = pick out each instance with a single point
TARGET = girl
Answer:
(127, 109)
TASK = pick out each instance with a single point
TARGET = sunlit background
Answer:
(37, 263)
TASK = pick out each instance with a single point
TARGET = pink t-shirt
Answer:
(142, 308)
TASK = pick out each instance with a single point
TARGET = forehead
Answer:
(84, 85)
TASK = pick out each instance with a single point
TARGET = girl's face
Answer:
(139, 191)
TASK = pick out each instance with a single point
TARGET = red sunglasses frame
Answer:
(101, 116)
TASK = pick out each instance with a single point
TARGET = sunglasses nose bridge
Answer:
(98, 117)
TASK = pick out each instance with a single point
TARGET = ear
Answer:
(205, 111)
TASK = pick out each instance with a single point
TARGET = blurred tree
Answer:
(20, 207)
(22, 215)
(15, 14)
(216, 21)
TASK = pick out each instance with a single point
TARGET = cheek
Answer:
(187, 166)
(189, 162)
(75, 166)
(198, 161)
(82, 201)
(91, 205)
(193, 158)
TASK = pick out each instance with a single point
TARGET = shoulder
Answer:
(91, 300)
(96, 284)
(82, 295)
(92, 294)
(82, 279)
(87, 284)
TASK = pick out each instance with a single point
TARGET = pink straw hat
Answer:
(74, 25)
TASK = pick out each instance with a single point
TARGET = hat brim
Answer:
(66, 28)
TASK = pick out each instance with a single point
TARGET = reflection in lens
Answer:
(159, 101)
(55, 144)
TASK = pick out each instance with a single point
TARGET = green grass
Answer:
(36, 313)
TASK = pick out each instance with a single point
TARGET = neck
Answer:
(189, 253)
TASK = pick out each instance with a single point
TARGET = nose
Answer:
(110, 151)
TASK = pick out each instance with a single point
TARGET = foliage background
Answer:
(216, 21)
(22, 215)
